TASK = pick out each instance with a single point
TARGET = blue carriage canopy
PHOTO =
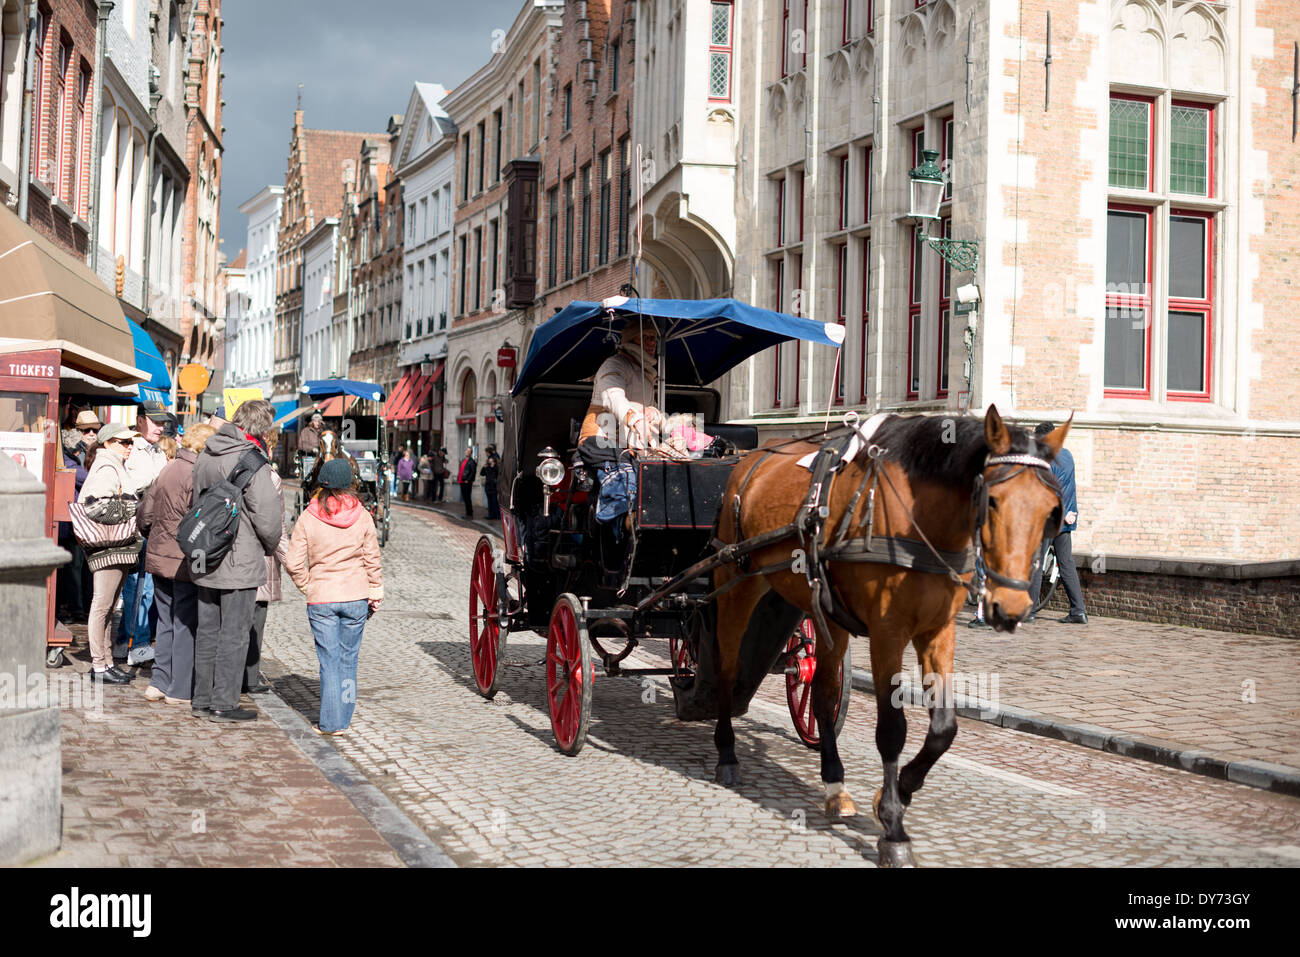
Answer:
(703, 338)
(327, 388)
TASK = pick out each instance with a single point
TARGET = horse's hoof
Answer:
(840, 805)
(875, 805)
(727, 775)
(895, 853)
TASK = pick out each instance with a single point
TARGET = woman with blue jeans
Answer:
(334, 560)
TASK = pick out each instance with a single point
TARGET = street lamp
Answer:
(927, 195)
(426, 367)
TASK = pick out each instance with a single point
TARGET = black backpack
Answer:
(206, 533)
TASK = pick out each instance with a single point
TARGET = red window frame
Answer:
(805, 34)
(1150, 101)
(946, 157)
(798, 343)
(81, 197)
(915, 293)
(944, 320)
(719, 49)
(1141, 301)
(846, 25)
(871, 18)
(64, 63)
(1211, 190)
(38, 141)
(868, 158)
(1203, 306)
(780, 214)
(842, 310)
(866, 308)
(844, 192)
(780, 307)
(918, 144)
(800, 174)
(785, 38)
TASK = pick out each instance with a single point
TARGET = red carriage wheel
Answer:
(484, 627)
(801, 653)
(569, 674)
(683, 658)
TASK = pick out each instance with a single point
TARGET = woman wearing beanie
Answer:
(334, 561)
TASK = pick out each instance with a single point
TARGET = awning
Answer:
(420, 398)
(401, 393)
(336, 406)
(149, 359)
(284, 415)
(47, 294)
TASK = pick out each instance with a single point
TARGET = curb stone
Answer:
(1257, 774)
(406, 838)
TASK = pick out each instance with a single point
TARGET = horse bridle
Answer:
(1041, 470)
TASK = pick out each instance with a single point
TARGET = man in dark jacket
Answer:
(228, 593)
(1063, 469)
(491, 471)
(438, 461)
(465, 476)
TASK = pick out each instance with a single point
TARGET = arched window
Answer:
(468, 394)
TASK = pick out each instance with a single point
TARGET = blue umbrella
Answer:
(702, 338)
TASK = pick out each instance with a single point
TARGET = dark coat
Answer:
(1063, 469)
(468, 471)
(165, 503)
(490, 473)
(261, 520)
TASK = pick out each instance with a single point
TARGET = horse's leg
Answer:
(891, 733)
(826, 694)
(735, 609)
(934, 652)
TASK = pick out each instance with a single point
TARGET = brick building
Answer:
(584, 240)
(376, 260)
(58, 198)
(502, 113)
(1132, 204)
(321, 168)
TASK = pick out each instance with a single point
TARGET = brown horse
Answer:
(931, 471)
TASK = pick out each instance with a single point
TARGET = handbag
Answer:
(104, 522)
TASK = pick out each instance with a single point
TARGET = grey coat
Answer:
(261, 520)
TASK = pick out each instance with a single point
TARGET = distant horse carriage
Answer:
(750, 561)
(361, 439)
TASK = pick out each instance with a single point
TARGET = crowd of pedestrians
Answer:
(200, 622)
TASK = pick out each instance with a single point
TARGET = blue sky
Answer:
(356, 62)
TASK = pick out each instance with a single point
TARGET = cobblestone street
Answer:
(485, 782)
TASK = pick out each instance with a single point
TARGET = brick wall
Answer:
(599, 118)
(1261, 606)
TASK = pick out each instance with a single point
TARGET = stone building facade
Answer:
(1131, 201)
(250, 351)
(376, 255)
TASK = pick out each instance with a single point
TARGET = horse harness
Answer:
(922, 556)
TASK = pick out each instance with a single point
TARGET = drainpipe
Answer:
(97, 133)
(29, 96)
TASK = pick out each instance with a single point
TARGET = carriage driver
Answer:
(621, 414)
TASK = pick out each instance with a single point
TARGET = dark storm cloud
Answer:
(356, 61)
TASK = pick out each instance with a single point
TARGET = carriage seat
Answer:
(743, 437)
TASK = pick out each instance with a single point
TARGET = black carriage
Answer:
(363, 439)
(596, 588)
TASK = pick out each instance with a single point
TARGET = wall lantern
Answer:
(927, 195)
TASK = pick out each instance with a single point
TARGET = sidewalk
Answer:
(148, 785)
(1227, 696)
(455, 512)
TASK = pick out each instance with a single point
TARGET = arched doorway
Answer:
(466, 419)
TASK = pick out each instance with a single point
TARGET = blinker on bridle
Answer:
(1042, 470)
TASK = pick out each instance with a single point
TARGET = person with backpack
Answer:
(236, 521)
(164, 506)
(334, 561)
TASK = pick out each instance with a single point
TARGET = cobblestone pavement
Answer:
(484, 780)
(1236, 696)
(148, 785)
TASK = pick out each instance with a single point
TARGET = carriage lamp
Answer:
(551, 472)
(927, 196)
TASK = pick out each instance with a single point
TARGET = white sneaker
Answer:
(140, 655)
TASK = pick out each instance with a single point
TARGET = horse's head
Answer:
(1017, 502)
(329, 445)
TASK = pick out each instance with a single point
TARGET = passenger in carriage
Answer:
(622, 414)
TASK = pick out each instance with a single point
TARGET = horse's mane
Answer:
(947, 449)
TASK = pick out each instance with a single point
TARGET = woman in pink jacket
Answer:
(334, 560)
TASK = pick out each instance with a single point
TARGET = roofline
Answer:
(467, 91)
(265, 192)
